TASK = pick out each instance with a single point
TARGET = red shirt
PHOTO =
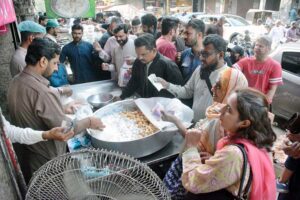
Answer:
(261, 75)
(166, 48)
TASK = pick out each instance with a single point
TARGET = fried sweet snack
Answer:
(142, 122)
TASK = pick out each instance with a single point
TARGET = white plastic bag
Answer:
(148, 105)
(124, 75)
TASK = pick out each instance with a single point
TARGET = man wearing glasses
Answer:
(148, 62)
(199, 85)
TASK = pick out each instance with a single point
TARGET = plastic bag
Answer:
(81, 140)
(124, 75)
(83, 111)
(150, 108)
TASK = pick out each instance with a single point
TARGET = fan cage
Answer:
(96, 174)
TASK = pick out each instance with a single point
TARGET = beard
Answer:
(194, 42)
(122, 42)
(212, 66)
(77, 39)
(48, 72)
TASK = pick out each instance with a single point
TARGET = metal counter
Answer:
(84, 90)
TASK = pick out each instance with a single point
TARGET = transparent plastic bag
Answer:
(81, 140)
(124, 75)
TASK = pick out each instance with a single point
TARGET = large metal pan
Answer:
(136, 148)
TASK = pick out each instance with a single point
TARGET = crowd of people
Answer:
(226, 155)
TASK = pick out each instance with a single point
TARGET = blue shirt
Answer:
(80, 56)
(59, 77)
(189, 62)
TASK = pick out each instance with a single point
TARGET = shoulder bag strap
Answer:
(245, 162)
(204, 75)
(208, 83)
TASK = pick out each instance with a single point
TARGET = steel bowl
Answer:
(100, 100)
(136, 148)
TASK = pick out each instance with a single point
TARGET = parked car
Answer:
(254, 14)
(287, 97)
(234, 27)
(187, 17)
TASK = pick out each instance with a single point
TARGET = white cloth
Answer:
(197, 89)
(21, 135)
(277, 34)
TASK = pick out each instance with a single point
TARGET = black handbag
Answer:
(224, 194)
(293, 124)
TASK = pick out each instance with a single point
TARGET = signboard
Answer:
(7, 12)
(70, 8)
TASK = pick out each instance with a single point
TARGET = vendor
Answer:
(32, 103)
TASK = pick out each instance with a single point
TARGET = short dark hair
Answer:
(118, 14)
(77, 27)
(25, 35)
(253, 105)
(77, 21)
(42, 18)
(41, 48)
(197, 24)
(146, 40)
(149, 20)
(135, 22)
(48, 28)
(114, 19)
(100, 15)
(168, 23)
(120, 27)
(217, 41)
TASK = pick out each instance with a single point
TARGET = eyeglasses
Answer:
(205, 54)
(217, 85)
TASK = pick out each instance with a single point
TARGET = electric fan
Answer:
(96, 174)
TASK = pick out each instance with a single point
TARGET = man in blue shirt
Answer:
(190, 60)
(80, 56)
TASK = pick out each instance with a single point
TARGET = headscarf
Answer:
(230, 80)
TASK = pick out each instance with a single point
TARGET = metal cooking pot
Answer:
(100, 100)
(136, 148)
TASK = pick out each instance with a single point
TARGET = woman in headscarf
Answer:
(229, 80)
(211, 130)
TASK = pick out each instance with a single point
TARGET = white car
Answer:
(235, 27)
(187, 17)
(287, 97)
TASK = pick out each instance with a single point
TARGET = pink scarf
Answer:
(263, 185)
